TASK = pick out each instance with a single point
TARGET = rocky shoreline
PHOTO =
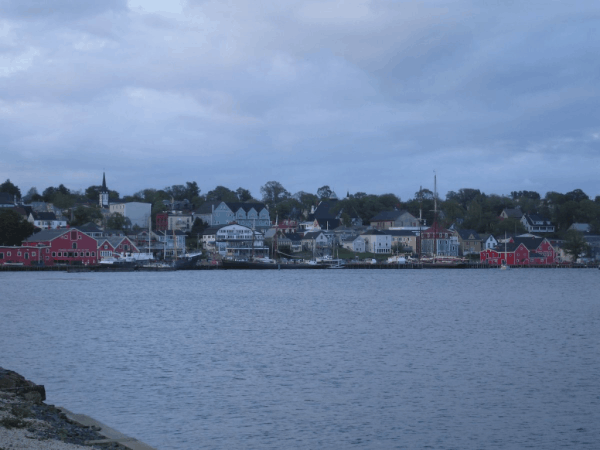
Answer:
(26, 422)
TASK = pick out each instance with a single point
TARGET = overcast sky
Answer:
(359, 95)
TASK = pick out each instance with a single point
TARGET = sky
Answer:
(360, 95)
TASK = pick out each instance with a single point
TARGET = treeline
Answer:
(466, 208)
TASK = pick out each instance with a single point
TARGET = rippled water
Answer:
(316, 359)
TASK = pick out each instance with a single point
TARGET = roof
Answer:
(375, 232)
(583, 227)
(210, 231)
(328, 223)
(529, 242)
(43, 215)
(47, 235)
(467, 234)
(514, 213)
(531, 218)
(400, 232)
(89, 227)
(313, 234)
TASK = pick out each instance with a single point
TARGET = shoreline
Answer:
(26, 422)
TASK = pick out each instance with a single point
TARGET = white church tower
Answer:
(103, 193)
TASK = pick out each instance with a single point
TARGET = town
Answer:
(154, 228)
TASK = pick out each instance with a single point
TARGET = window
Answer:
(1, 255)
(32, 253)
(93, 253)
(18, 253)
(26, 255)
(74, 245)
(53, 254)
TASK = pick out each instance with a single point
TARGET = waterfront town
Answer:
(59, 228)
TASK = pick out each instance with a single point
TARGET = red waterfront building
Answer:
(61, 246)
(521, 251)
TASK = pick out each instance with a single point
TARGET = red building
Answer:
(521, 252)
(61, 246)
(162, 221)
(108, 246)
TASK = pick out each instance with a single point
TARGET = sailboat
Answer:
(504, 265)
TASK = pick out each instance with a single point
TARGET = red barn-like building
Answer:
(61, 246)
(521, 252)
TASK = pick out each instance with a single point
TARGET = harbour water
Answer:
(442, 359)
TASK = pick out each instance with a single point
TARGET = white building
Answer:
(377, 241)
(138, 213)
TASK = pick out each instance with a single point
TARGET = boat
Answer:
(504, 265)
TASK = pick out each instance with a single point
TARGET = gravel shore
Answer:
(26, 422)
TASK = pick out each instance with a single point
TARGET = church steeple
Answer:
(103, 193)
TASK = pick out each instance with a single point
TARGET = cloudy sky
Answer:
(361, 95)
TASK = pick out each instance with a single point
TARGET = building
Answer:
(110, 245)
(469, 242)
(377, 241)
(252, 215)
(511, 213)
(406, 238)
(138, 213)
(46, 220)
(535, 223)
(62, 246)
(354, 243)
(173, 242)
(521, 251)
(438, 241)
(178, 220)
(103, 200)
(236, 241)
(395, 218)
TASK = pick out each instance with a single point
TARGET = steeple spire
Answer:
(103, 182)
(103, 193)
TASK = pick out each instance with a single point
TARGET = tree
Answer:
(83, 215)
(575, 245)
(14, 229)
(324, 192)
(32, 196)
(243, 195)
(10, 188)
(221, 194)
(118, 222)
(273, 192)
(577, 195)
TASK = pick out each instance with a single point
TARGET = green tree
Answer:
(10, 188)
(118, 222)
(83, 215)
(243, 195)
(14, 229)
(221, 194)
(575, 245)
(32, 196)
(324, 192)
(273, 192)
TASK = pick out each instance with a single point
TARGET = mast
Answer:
(435, 234)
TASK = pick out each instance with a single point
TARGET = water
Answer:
(316, 359)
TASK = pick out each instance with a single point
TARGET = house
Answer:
(137, 212)
(354, 243)
(108, 246)
(536, 223)
(468, 242)
(511, 213)
(406, 238)
(581, 227)
(488, 241)
(328, 214)
(46, 220)
(437, 240)
(295, 241)
(377, 241)
(395, 218)
(178, 220)
(252, 215)
(315, 240)
(522, 251)
(237, 241)
(209, 238)
(173, 242)
(62, 246)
